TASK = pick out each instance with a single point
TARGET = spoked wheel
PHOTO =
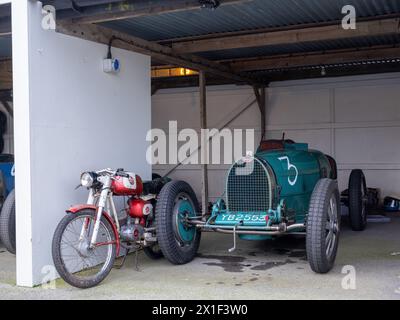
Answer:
(358, 199)
(323, 226)
(332, 227)
(178, 240)
(76, 262)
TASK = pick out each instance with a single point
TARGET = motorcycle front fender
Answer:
(78, 208)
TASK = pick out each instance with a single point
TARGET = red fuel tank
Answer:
(127, 186)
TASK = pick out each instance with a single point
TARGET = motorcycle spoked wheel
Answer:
(77, 264)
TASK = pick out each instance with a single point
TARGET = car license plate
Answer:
(243, 217)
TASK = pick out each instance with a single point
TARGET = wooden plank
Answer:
(314, 59)
(125, 10)
(263, 112)
(322, 33)
(270, 29)
(289, 74)
(6, 75)
(161, 53)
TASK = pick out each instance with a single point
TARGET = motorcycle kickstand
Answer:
(123, 260)
(137, 260)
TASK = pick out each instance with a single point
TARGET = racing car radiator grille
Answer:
(248, 187)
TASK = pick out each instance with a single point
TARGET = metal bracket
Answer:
(234, 237)
(119, 266)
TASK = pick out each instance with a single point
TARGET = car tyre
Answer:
(323, 226)
(7, 223)
(358, 198)
(178, 241)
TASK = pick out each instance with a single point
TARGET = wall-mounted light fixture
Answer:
(172, 72)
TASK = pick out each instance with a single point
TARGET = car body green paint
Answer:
(297, 170)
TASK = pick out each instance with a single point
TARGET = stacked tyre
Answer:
(358, 199)
(7, 223)
(3, 129)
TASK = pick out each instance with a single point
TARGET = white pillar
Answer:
(70, 116)
(21, 10)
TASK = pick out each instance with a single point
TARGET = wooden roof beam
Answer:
(133, 9)
(161, 53)
(318, 58)
(285, 37)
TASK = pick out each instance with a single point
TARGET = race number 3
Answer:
(292, 181)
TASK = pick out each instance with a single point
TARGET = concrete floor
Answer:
(257, 270)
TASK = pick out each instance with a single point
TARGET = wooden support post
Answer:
(263, 112)
(6, 75)
(261, 101)
(205, 148)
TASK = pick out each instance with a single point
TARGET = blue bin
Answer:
(7, 173)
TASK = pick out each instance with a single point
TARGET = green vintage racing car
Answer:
(285, 188)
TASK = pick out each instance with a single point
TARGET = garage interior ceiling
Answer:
(250, 39)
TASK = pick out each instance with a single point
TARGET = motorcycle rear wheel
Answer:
(76, 263)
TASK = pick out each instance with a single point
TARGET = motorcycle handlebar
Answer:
(118, 172)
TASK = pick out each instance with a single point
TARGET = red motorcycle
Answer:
(89, 238)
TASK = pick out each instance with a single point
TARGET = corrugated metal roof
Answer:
(328, 67)
(248, 16)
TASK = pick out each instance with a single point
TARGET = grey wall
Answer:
(355, 119)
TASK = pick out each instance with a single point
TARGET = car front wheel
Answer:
(178, 240)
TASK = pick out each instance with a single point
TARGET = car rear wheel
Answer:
(358, 199)
(178, 240)
(323, 226)
(7, 223)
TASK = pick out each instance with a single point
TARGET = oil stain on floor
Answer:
(273, 264)
(237, 263)
(228, 263)
(286, 250)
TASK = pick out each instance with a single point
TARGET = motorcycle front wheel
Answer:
(76, 262)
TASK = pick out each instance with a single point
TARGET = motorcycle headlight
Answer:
(87, 179)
